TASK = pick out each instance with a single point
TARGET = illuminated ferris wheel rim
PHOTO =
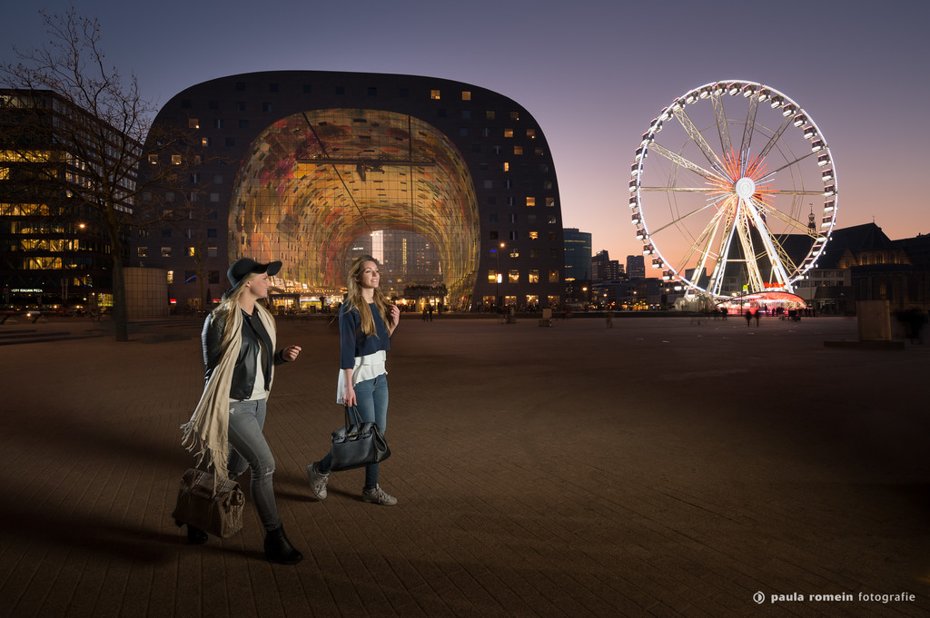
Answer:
(742, 185)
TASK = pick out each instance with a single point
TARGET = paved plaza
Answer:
(661, 467)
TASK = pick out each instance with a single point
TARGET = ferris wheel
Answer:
(739, 193)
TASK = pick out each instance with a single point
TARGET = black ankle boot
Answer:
(279, 549)
(195, 536)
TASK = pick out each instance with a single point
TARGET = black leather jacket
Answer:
(243, 380)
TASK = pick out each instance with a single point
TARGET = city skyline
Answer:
(593, 76)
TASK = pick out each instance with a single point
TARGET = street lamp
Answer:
(500, 276)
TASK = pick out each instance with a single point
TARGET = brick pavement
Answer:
(657, 468)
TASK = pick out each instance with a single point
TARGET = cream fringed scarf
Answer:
(206, 434)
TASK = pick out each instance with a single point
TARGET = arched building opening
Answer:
(316, 184)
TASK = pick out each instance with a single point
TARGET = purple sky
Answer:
(592, 73)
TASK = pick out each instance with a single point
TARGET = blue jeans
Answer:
(250, 450)
(372, 396)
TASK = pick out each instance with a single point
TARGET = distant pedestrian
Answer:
(225, 430)
(366, 322)
(755, 315)
(429, 309)
(610, 319)
(748, 316)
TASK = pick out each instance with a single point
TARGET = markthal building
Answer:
(451, 186)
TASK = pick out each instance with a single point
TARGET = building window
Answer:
(488, 184)
(176, 159)
(192, 251)
(166, 252)
(213, 276)
(142, 251)
(169, 277)
(513, 276)
(214, 197)
(434, 95)
(193, 123)
(153, 159)
(211, 232)
(218, 179)
(530, 201)
(489, 115)
(517, 151)
(211, 252)
(508, 133)
(492, 234)
(240, 106)
(266, 106)
(550, 202)
(553, 276)
(551, 236)
(166, 232)
(514, 253)
(492, 275)
(551, 220)
(534, 235)
(533, 277)
(230, 142)
(531, 133)
(492, 217)
(466, 95)
(539, 151)
(218, 123)
(190, 276)
(243, 123)
(515, 115)
(372, 91)
(547, 185)
(506, 166)
(513, 234)
(466, 114)
(273, 87)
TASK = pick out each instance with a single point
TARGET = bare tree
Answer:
(98, 130)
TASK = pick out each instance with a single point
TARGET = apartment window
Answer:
(553, 276)
(533, 277)
(463, 131)
(531, 133)
(193, 123)
(166, 252)
(195, 178)
(513, 276)
(466, 114)
(488, 184)
(513, 217)
(506, 166)
(217, 123)
(190, 276)
(142, 251)
(530, 201)
(550, 202)
(211, 252)
(492, 235)
(551, 236)
(218, 179)
(211, 232)
(266, 106)
(551, 220)
(489, 115)
(192, 252)
(513, 234)
(466, 95)
(146, 196)
(153, 159)
(243, 123)
(166, 232)
(508, 133)
(534, 235)
(273, 87)
(434, 95)
(492, 275)
(517, 151)
(169, 277)
(372, 91)
(240, 106)
(492, 217)
(175, 159)
(213, 276)
(547, 185)
(514, 253)
(515, 115)
(205, 142)
(531, 219)
(538, 151)
(214, 197)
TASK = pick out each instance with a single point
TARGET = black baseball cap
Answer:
(243, 267)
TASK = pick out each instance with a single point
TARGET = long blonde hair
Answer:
(355, 299)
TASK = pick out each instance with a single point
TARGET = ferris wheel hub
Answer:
(745, 187)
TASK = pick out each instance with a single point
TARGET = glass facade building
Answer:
(577, 254)
(449, 183)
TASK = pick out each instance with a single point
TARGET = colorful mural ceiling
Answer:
(315, 181)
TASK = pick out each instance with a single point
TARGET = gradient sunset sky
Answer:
(592, 73)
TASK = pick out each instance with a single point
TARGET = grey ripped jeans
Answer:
(250, 450)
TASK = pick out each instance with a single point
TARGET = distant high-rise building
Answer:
(635, 266)
(605, 269)
(577, 254)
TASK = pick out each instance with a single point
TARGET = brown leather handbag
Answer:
(217, 510)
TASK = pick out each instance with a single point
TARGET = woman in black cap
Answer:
(239, 355)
